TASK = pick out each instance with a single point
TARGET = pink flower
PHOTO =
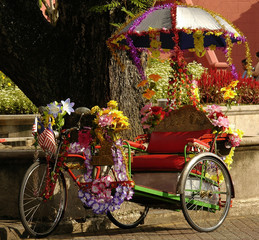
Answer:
(146, 109)
(234, 140)
(146, 126)
(213, 110)
(223, 122)
(105, 120)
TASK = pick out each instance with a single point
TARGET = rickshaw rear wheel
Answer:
(206, 198)
(130, 215)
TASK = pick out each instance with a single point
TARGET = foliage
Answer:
(196, 69)
(211, 83)
(129, 8)
(13, 100)
(162, 68)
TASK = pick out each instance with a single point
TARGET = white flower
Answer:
(68, 106)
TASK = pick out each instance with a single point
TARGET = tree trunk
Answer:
(70, 59)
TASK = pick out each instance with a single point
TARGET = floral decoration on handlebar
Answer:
(52, 118)
(108, 122)
(104, 193)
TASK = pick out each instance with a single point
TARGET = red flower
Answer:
(156, 110)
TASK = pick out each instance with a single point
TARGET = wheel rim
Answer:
(207, 196)
(40, 216)
(129, 215)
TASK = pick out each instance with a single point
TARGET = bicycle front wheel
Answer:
(40, 216)
(207, 194)
(130, 215)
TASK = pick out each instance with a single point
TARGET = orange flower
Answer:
(143, 83)
(149, 94)
(154, 77)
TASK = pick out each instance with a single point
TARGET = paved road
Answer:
(234, 228)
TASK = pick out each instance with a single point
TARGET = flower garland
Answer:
(221, 122)
(97, 193)
(222, 125)
(99, 196)
(182, 90)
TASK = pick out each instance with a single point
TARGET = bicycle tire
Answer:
(41, 216)
(207, 194)
(130, 215)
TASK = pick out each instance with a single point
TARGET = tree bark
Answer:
(70, 59)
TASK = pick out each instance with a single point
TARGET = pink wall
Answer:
(244, 15)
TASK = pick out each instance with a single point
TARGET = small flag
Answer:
(34, 126)
(46, 138)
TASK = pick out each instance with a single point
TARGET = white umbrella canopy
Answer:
(164, 22)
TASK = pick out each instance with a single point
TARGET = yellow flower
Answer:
(229, 157)
(112, 104)
(95, 109)
(104, 111)
(240, 133)
(224, 89)
(48, 118)
(229, 94)
(155, 54)
(9, 84)
(155, 44)
(233, 84)
(218, 33)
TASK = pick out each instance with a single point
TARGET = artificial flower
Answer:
(95, 109)
(143, 83)
(100, 196)
(112, 104)
(151, 116)
(54, 108)
(154, 77)
(68, 106)
(109, 122)
(149, 94)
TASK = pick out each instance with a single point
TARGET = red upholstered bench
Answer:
(165, 151)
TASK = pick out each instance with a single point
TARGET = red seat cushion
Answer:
(158, 162)
(172, 142)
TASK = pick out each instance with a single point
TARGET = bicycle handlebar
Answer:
(69, 130)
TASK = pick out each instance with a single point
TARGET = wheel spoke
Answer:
(39, 216)
(207, 185)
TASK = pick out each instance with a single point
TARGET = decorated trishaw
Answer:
(182, 161)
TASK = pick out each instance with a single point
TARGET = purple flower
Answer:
(68, 106)
(54, 109)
